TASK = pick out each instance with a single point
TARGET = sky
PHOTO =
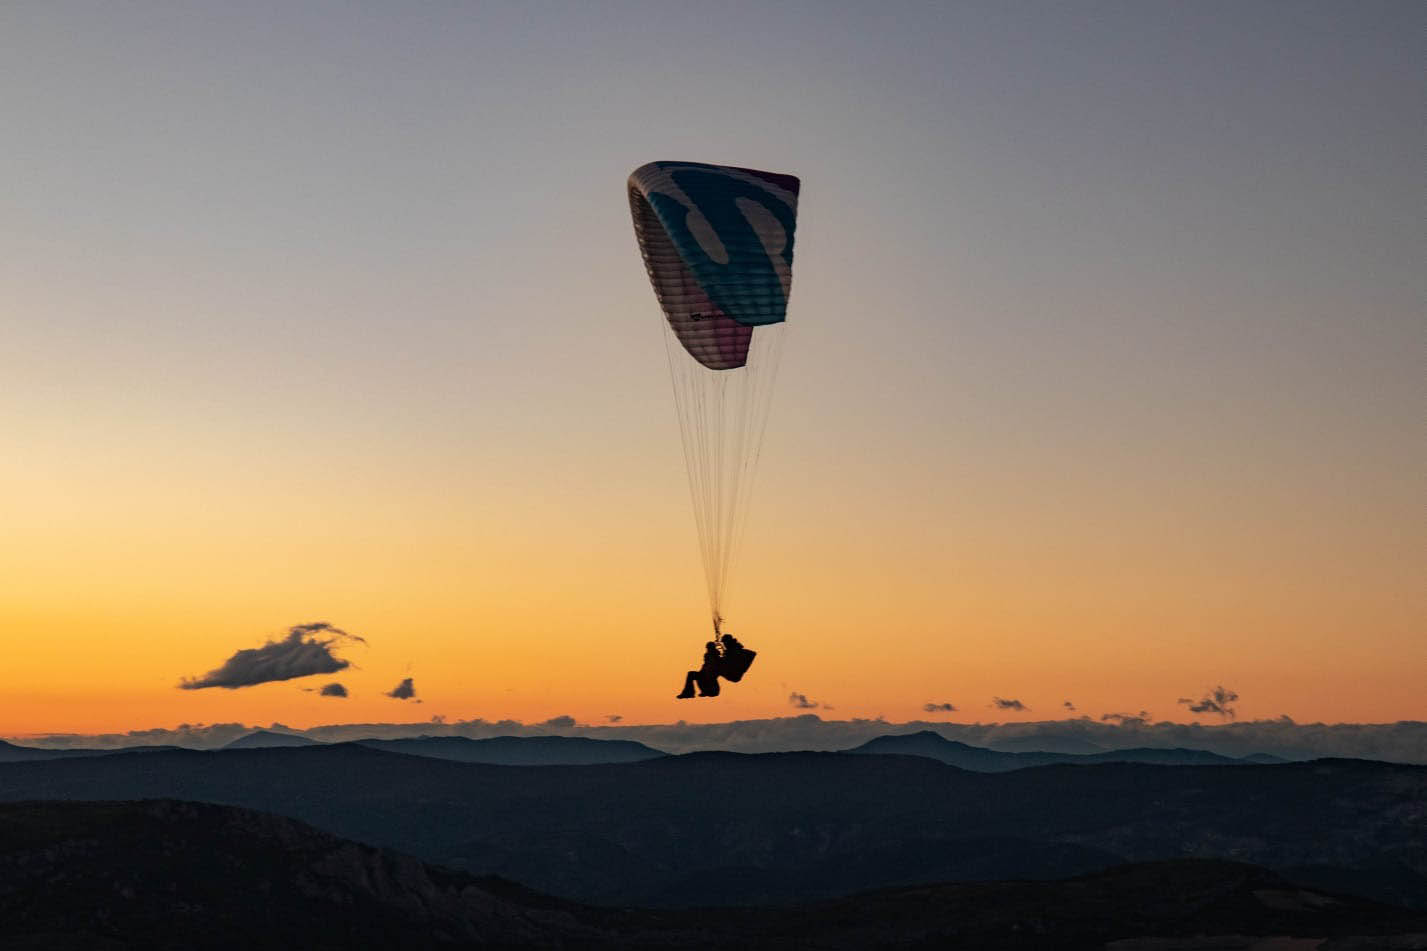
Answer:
(1103, 380)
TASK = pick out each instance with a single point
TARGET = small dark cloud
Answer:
(402, 691)
(1069, 706)
(438, 718)
(1216, 701)
(939, 707)
(801, 701)
(307, 649)
(559, 723)
(333, 690)
(1128, 719)
(1002, 704)
(613, 717)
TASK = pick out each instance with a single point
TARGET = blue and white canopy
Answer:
(718, 244)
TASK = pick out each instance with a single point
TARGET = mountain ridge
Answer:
(520, 750)
(956, 753)
(166, 874)
(800, 826)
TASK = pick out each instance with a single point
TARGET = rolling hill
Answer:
(106, 876)
(720, 828)
(934, 746)
(521, 750)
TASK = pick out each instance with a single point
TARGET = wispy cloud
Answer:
(613, 717)
(1069, 706)
(1216, 701)
(1002, 704)
(333, 690)
(307, 649)
(403, 691)
(801, 701)
(931, 707)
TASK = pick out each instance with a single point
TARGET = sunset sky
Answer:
(1104, 377)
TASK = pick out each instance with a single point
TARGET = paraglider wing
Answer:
(717, 242)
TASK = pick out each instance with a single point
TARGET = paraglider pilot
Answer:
(706, 676)
(725, 658)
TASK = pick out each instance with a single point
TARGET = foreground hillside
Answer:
(736, 829)
(170, 875)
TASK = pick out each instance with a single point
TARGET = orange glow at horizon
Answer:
(541, 604)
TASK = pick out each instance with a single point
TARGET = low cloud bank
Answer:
(1402, 742)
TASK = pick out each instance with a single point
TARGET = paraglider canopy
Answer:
(717, 242)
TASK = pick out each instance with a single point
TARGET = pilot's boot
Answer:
(685, 695)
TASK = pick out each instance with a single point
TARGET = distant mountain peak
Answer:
(262, 739)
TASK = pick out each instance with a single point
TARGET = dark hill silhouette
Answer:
(1175, 756)
(1264, 759)
(1047, 742)
(521, 750)
(713, 828)
(265, 739)
(935, 746)
(13, 753)
(174, 875)
(165, 874)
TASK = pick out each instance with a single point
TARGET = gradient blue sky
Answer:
(1106, 350)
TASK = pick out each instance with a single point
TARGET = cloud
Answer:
(801, 701)
(307, 649)
(939, 707)
(613, 717)
(1128, 719)
(559, 723)
(1001, 704)
(333, 690)
(1069, 706)
(1215, 701)
(402, 691)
